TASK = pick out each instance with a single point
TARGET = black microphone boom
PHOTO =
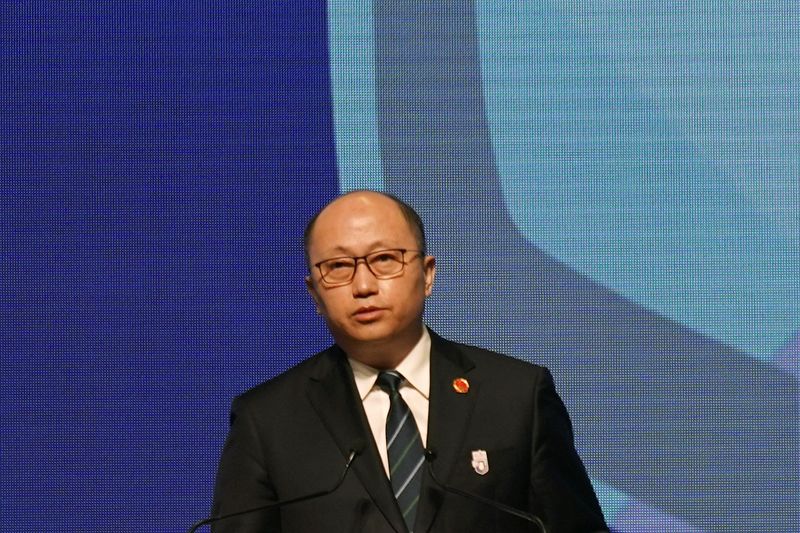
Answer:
(430, 456)
(354, 451)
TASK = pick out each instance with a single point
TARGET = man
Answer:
(390, 389)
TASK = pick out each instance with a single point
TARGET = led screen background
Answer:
(611, 190)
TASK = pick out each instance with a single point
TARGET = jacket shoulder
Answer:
(290, 382)
(487, 360)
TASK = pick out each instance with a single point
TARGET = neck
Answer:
(383, 355)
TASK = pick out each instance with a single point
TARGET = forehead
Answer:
(359, 224)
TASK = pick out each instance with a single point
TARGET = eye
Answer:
(384, 257)
(338, 264)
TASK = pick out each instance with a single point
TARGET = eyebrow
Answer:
(375, 246)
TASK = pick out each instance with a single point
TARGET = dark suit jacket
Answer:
(291, 435)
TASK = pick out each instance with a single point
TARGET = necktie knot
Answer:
(390, 381)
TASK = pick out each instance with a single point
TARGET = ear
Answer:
(429, 271)
(312, 290)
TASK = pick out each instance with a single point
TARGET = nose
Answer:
(364, 282)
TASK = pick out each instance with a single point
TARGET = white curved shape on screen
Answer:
(351, 49)
(657, 150)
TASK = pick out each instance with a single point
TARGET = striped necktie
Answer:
(404, 448)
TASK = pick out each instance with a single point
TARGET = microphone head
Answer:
(357, 446)
(430, 454)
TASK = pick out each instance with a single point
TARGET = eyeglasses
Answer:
(384, 264)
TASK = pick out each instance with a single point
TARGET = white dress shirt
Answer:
(416, 368)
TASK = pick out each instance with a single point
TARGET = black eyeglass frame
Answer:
(363, 258)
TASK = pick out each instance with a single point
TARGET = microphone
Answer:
(355, 450)
(430, 457)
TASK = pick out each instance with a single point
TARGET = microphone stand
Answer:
(430, 456)
(211, 519)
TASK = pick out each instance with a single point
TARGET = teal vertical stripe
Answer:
(611, 500)
(352, 65)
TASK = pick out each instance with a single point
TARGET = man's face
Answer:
(369, 315)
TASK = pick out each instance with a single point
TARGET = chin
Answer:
(374, 333)
(371, 336)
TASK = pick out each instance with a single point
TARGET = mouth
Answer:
(368, 313)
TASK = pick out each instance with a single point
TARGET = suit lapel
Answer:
(449, 413)
(332, 393)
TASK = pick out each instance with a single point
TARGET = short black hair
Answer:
(411, 216)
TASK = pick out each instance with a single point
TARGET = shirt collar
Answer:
(415, 367)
